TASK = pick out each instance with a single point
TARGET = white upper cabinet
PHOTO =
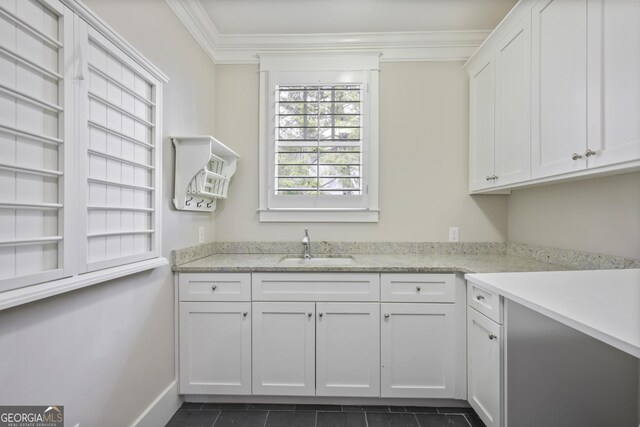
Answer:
(499, 127)
(613, 82)
(559, 70)
(565, 97)
(481, 125)
(513, 105)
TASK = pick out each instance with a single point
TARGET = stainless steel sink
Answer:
(317, 261)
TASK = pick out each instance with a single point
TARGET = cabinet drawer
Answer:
(215, 286)
(487, 303)
(417, 287)
(315, 286)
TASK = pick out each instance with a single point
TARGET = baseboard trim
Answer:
(161, 409)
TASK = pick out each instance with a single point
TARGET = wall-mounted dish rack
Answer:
(204, 167)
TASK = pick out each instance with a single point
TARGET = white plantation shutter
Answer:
(35, 159)
(118, 115)
(318, 140)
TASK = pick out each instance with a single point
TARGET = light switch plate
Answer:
(454, 234)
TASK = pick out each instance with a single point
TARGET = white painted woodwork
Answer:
(613, 83)
(51, 85)
(513, 105)
(284, 348)
(484, 367)
(486, 302)
(215, 286)
(406, 287)
(36, 139)
(348, 349)
(481, 123)
(559, 96)
(417, 350)
(117, 116)
(315, 286)
(215, 348)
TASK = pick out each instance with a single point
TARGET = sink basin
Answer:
(317, 261)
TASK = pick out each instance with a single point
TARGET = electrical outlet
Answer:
(201, 234)
(454, 234)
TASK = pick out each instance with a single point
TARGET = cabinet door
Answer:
(215, 348)
(417, 350)
(614, 85)
(481, 125)
(559, 77)
(484, 372)
(513, 105)
(348, 349)
(284, 348)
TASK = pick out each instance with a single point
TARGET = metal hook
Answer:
(199, 203)
(209, 204)
(187, 202)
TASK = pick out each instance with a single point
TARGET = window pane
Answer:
(298, 171)
(299, 158)
(335, 170)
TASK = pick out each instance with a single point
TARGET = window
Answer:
(79, 164)
(319, 135)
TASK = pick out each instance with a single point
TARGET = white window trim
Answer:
(270, 64)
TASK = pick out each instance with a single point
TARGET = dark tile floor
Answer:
(268, 415)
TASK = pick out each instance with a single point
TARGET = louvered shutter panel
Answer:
(35, 100)
(117, 116)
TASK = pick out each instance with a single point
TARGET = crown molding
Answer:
(396, 46)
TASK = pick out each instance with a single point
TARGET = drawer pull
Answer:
(309, 314)
(213, 288)
(492, 337)
(244, 314)
(320, 314)
(479, 297)
(418, 288)
(386, 315)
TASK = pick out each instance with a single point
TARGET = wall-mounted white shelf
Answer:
(204, 167)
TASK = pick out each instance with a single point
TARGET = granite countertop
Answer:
(410, 263)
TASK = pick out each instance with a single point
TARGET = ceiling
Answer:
(353, 16)
(241, 31)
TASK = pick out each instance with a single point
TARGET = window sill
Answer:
(318, 215)
(40, 291)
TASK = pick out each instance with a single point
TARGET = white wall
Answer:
(106, 352)
(423, 161)
(600, 215)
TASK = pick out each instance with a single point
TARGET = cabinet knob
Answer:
(320, 314)
(244, 314)
(488, 178)
(494, 177)
(213, 287)
(492, 337)
(309, 314)
(590, 153)
(418, 288)
(386, 315)
(479, 297)
(576, 156)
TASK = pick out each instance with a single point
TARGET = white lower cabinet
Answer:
(348, 349)
(284, 348)
(484, 367)
(319, 340)
(322, 349)
(418, 350)
(215, 348)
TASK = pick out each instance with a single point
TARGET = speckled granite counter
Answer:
(411, 263)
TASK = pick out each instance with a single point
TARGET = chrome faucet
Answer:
(306, 242)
